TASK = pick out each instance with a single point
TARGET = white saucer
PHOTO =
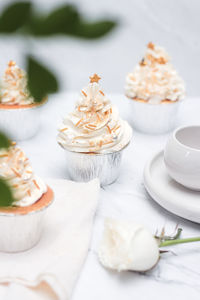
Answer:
(169, 194)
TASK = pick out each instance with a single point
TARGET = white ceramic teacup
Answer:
(182, 156)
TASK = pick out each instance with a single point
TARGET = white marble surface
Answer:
(177, 274)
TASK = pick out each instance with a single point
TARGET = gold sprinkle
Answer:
(76, 138)
(92, 125)
(108, 142)
(37, 186)
(15, 186)
(98, 117)
(88, 127)
(21, 155)
(12, 99)
(22, 93)
(78, 122)
(9, 72)
(84, 93)
(63, 129)
(109, 130)
(4, 155)
(132, 77)
(100, 143)
(16, 173)
(84, 124)
(161, 60)
(29, 172)
(102, 93)
(143, 63)
(150, 57)
(116, 128)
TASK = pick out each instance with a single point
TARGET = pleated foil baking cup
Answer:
(87, 166)
(154, 118)
(20, 123)
(20, 232)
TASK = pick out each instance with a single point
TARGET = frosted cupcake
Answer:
(156, 91)
(19, 115)
(21, 221)
(94, 136)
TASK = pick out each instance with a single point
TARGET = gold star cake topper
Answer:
(94, 78)
(151, 46)
(11, 63)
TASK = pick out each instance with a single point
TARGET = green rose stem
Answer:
(179, 241)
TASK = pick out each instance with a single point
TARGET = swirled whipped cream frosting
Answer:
(14, 86)
(94, 126)
(154, 79)
(16, 169)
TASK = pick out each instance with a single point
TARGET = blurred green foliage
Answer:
(22, 18)
(67, 20)
(47, 83)
(15, 16)
(62, 20)
(4, 141)
(6, 197)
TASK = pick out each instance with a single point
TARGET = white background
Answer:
(172, 24)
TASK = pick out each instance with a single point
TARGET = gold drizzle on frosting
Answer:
(94, 127)
(16, 169)
(154, 79)
(14, 86)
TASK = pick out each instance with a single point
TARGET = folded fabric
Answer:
(51, 268)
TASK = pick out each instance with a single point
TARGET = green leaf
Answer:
(41, 81)
(67, 20)
(94, 30)
(62, 20)
(14, 16)
(6, 196)
(59, 21)
(4, 141)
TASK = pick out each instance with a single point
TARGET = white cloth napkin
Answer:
(51, 268)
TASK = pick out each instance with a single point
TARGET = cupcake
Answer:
(19, 115)
(21, 221)
(155, 90)
(94, 136)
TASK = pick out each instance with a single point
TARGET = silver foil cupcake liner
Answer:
(154, 118)
(87, 166)
(20, 232)
(20, 123)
